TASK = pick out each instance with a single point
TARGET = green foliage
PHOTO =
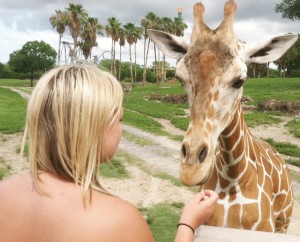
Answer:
(162, 219)
(12, 111)
(34, 56)
(282, 89)
(294, 127)
(285, 148)
(125, 70)
(289, 9)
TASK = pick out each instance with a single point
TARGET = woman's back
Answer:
(26, 215)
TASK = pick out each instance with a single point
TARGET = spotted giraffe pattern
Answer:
(252, 181)
(251, 178)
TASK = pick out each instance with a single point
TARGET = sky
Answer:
(22, 21)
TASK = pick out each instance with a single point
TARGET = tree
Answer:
(34, 56)
(59, 21)
(179, 26)
(112, 30)
(149, 22)
(1, 70)
(289, 9)
(76, 15)
(83, 29)
(88, 36)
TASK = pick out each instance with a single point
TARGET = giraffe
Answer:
(218, 150)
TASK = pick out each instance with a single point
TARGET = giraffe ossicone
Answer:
(218, 150)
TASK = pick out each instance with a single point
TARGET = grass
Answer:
(136, 139)
(114, 169)
(12, 111)
(138, 100)
(294, 127)
(294, 162)
(143, 122)
(260, 118)
(4, 169)
(282, 89)
(15, 83)
(175, 181)
(162, 219)
(285, 148)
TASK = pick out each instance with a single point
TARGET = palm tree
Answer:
(112, 30)
(149, 22)
(59, 21)
(76, 16)
(179, 26)
(129, 33)
(88, 36)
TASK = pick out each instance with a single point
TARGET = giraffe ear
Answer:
(270, 50)
(171, 45)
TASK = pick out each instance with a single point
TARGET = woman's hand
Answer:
(198, 210)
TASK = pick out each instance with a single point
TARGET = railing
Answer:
(217, 234)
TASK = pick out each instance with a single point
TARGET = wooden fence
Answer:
(217, 234)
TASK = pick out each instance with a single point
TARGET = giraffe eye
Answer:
(238, 83)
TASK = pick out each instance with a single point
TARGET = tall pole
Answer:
(180, 12)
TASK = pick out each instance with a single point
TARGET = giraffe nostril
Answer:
(183, 151)
(202, 154)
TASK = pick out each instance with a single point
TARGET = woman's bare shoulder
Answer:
(17, 182)
(127, 223)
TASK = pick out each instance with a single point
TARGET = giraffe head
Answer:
(213, 68)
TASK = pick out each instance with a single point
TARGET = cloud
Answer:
(22, 21)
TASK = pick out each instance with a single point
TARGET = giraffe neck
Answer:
(234, 149)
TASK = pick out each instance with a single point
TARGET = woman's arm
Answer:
(195, 213)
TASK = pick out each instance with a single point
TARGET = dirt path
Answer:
(162, 155)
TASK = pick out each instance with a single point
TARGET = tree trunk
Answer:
(31, 80)
(115, 67)
(145, 64)
(120, 65)
(134, 62)
(156, 66)
(111, 56)
(59, 53)
(164, 68)
(131, 71)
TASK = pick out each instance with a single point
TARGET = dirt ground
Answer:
(143, 189)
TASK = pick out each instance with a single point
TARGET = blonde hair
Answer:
(69, 110)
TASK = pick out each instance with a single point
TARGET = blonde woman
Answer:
(73, 123)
